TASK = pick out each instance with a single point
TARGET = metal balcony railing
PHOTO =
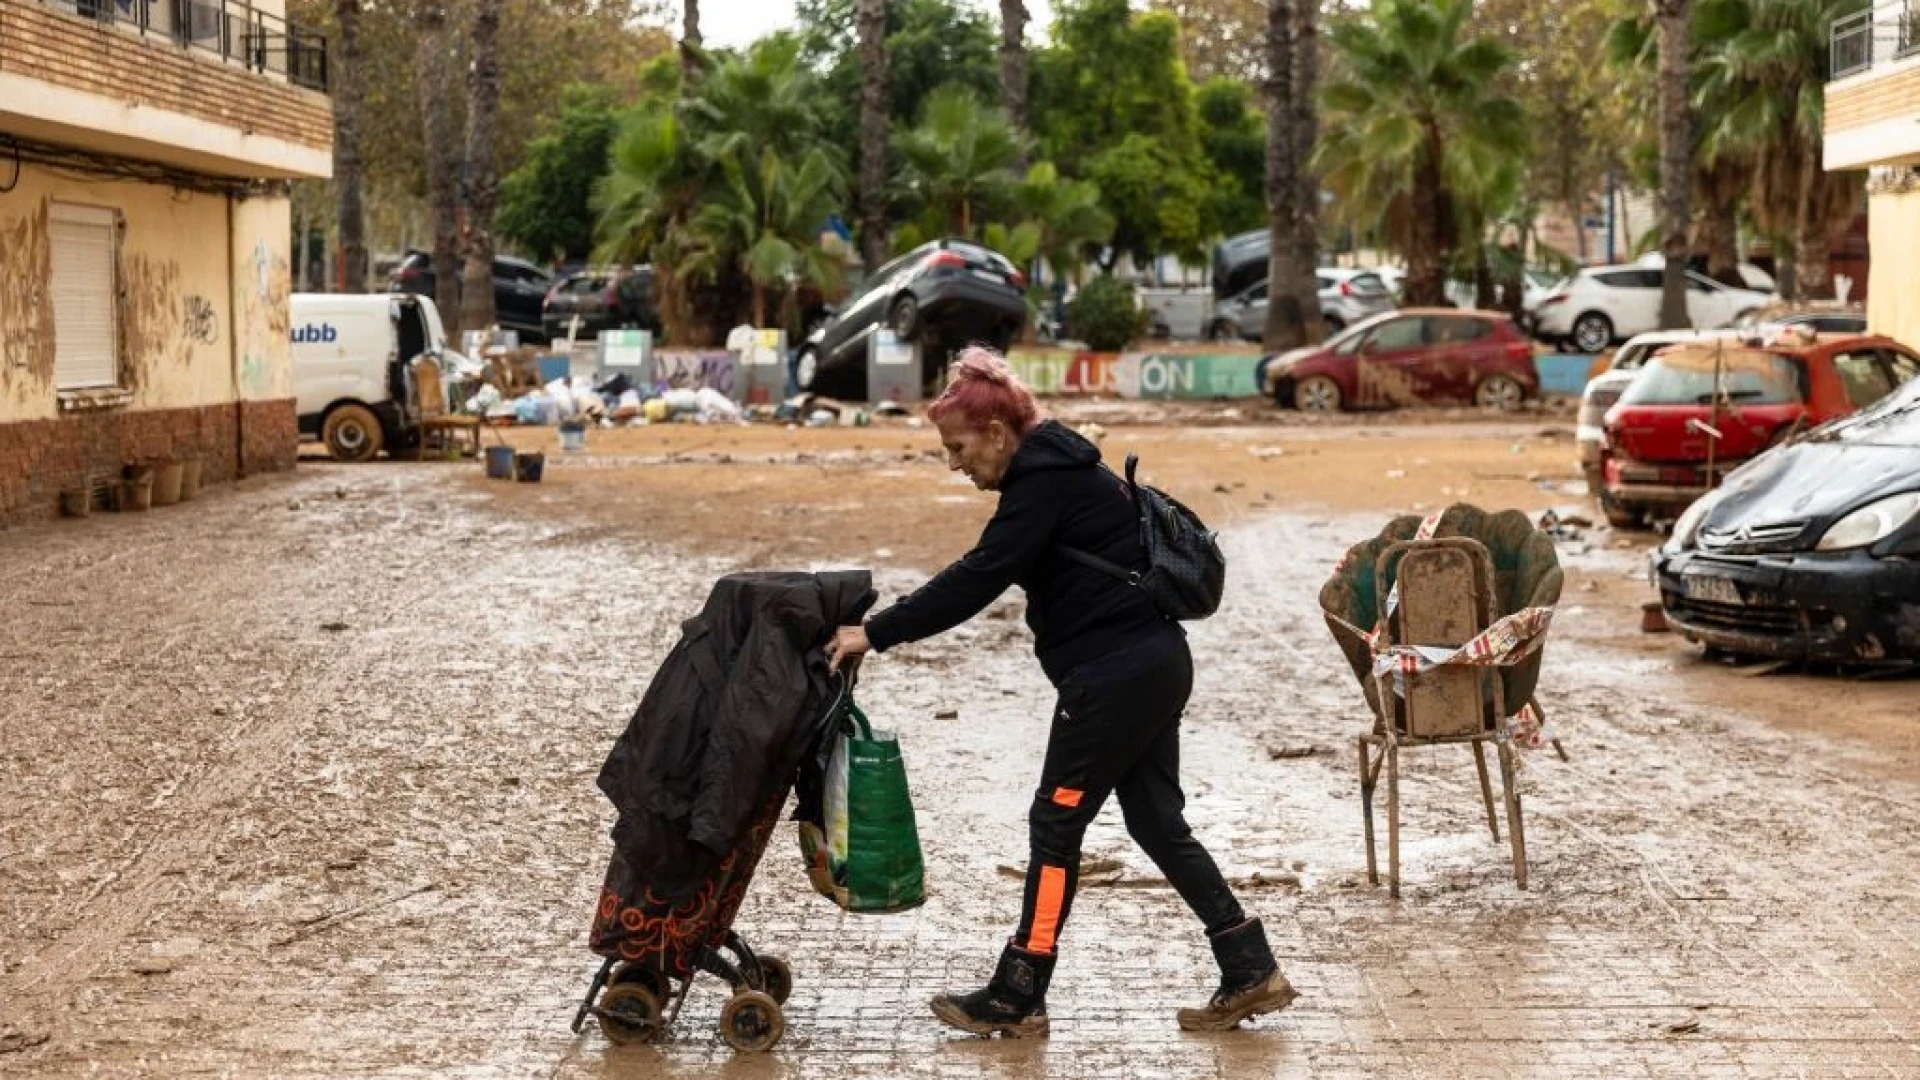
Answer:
(1887, 32)
(233, 30)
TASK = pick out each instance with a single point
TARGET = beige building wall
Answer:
(203, 302)
(1893, 293)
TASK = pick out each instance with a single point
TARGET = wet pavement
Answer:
(298, 782)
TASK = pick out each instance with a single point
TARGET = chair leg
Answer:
(1366, 811)
(1515, 829)
(1393, 819)
(1486, 788)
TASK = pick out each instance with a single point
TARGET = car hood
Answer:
(1285, 360)
(1813, 484)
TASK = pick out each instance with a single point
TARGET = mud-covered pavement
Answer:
(297, 781)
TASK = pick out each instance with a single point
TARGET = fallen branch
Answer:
(328, 922)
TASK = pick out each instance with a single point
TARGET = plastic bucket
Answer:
(167, 481)
(499, 462)
(528, 467)
(189, 479)
(136, 492)
(76, 503)
(573, 437)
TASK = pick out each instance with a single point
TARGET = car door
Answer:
(863, 314)
(1458, 350)
(1635, 294)
(1251, 314)
(1387, 370)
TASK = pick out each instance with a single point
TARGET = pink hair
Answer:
(981, 388)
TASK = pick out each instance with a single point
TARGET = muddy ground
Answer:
(296, 781)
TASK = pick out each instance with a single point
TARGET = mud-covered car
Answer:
(1811, 551)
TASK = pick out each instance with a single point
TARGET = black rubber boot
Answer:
(1013, 1004)
(1250, 981)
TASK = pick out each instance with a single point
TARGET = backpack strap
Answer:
(1089, 559)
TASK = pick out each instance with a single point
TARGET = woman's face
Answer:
(980, 453)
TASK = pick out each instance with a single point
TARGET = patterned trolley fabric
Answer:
(630, 923)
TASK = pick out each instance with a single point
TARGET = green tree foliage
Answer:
(930, 44)
(1233, 136)
(1220, 39)
(1111, 99)
(1106, 315)
(724, 188)
(957, 163)
(545, 203)
(1417, 140)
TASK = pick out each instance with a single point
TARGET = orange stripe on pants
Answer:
(1046, 909)
(1067, 797)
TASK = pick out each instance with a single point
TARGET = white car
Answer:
(1603, 304)
(1535, 284)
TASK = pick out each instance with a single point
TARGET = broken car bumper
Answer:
(1845, 607)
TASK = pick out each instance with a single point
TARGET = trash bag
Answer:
(869, 857)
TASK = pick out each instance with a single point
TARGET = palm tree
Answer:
(482, 175)
(1415, 130)
(349, 104)
(1013, 62)
(1066, 217)
(1764, 81)
(765, 219)
(439, 133)
(1293, 312)
(689, 39)
(958, 162)
(1676, 156)
(873, 132)
(691, 185)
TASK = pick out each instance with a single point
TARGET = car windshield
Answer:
(1367, 283)
(1345, 340)
(1894, 421)
(1745, 377)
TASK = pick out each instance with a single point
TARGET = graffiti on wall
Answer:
(1138, 375)
(153, 316)
(198, 321)
(26, 311)
(685, 370)
(264, 286)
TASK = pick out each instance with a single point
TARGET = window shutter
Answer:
(85, 346)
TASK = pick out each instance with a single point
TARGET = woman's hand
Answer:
(849, 644)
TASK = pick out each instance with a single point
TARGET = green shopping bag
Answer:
(869, 859)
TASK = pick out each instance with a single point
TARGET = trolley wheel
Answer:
(653, 979)
(752, 1022)
(629, 1013)
(777, 978)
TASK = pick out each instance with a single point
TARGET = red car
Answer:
(1411, 356)
(1696, 411)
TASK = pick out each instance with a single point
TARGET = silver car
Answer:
(1346, 297)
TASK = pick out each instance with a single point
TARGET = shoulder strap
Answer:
(1112, 569)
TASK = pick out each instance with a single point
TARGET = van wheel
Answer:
(352, 433)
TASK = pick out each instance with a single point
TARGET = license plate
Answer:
(1713, 590)
(988, 275)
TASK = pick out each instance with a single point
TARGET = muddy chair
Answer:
(1456, 636)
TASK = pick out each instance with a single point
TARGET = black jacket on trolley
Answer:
(1054, 493)
(727, 719)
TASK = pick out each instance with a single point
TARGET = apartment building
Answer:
(1873, 123)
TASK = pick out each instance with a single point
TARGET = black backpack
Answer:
(1186, 571)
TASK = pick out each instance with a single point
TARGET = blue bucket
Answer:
(528, 467)
(499, 462)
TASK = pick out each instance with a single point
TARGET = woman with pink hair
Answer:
(1123, 673)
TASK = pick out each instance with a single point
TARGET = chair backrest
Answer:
(1443, 597)
(427, 385)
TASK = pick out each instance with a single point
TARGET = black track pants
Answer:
(1116, 730)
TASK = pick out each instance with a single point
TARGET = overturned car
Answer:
(1809, 552)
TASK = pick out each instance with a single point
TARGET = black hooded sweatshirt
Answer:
(1054, 494)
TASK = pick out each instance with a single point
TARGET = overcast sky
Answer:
(737, 22)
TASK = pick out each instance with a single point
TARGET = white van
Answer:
(351, 381)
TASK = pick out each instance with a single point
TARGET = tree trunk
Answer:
(872, 21)
(1676, 158)
(1483, 297)
(482, 177)
(1719, 227)
(1286, 324)
(1812, 235)
(689, 40)
(1303, 117)
(442, 160)
(1426, 269)
(349, 102)
(1013, 62)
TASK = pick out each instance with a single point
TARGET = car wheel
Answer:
(806, 365)
(1317, 394)
(1222, 330)
(1623, 515)
(1592, 332)
(904, 316)
(352, 433)
(1501, 392)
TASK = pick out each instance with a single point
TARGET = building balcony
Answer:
(1873, 102)
(222, 87)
